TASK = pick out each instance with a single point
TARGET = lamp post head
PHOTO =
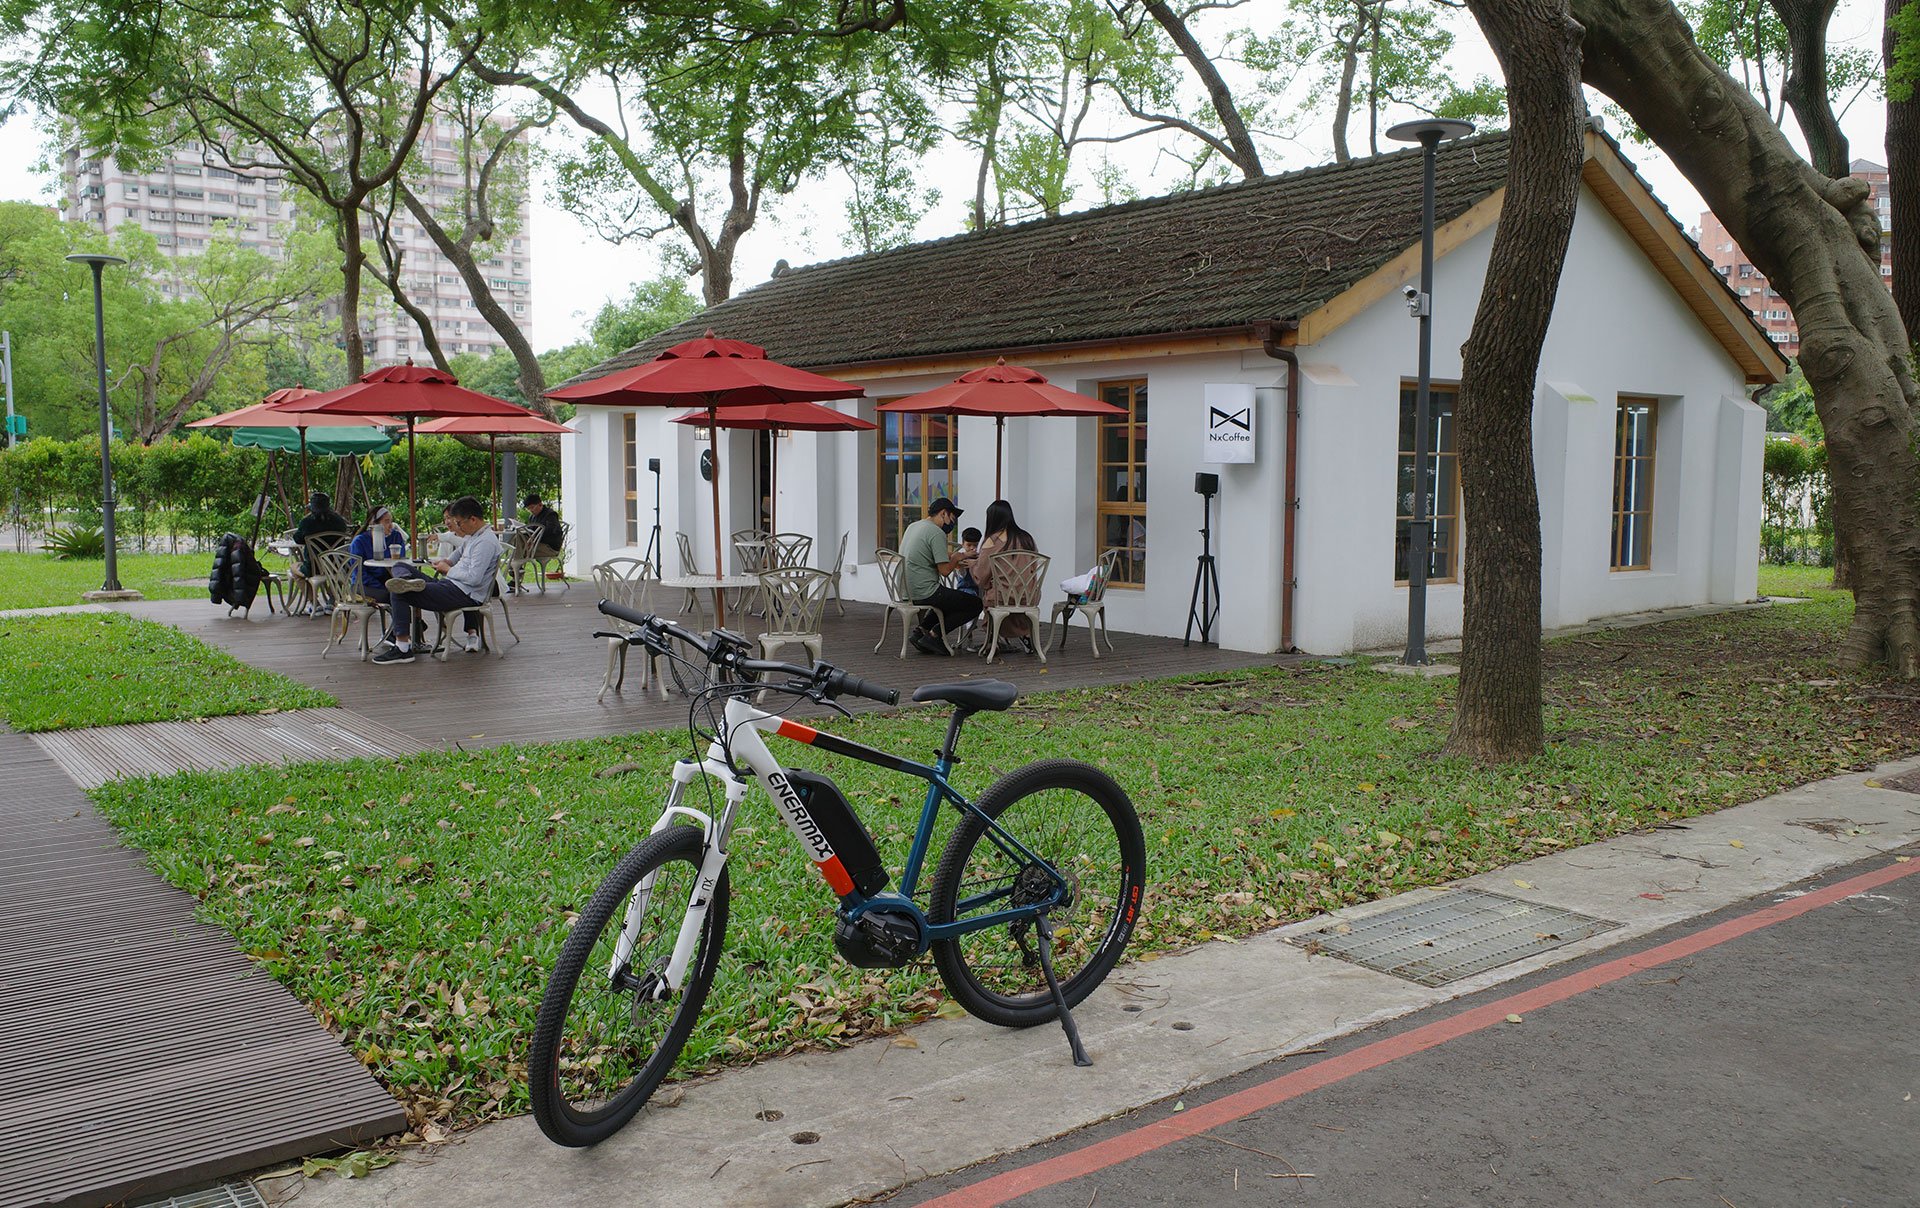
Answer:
(1430, 131)
(98, 260)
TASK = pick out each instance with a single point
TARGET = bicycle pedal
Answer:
(1045, 930)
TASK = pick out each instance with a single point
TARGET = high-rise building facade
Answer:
(187, 196)
(1751, 284)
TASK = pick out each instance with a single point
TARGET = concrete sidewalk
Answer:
(827, 1128)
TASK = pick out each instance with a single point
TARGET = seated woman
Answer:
(379, 538)
(1003, 533)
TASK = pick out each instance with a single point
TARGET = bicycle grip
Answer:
(631, 616)
(840, 683)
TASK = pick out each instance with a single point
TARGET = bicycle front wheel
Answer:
(608, 1032)
(1082, 828)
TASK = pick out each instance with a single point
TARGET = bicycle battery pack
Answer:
(828, 807)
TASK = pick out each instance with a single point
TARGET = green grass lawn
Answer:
(1809, 581)
(43, 581)
(416, 906)
(89, 669)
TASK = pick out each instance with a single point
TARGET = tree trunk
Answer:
(1817, 241)
(1343, 104)
(1246, 156)
(1805, 90)
(1497, 712)
(1903, 186)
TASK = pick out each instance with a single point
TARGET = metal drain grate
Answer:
(226, 1195)
(1458, 934)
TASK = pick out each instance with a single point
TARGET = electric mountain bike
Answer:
(1029, 908)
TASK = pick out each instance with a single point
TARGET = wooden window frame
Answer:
(1452, 391)
(1135, 505)
(903, 510)
(631, 441)
(1624, 405)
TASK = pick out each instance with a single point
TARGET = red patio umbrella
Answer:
(765, 417)
(490, 427)
(270, 413)
(412, 391)
(709, 373)
(1001, 390)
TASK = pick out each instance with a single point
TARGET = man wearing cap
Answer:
(925, 557)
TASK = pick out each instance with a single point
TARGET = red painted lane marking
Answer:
(1192, 1122)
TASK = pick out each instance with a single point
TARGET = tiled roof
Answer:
(1221, 257)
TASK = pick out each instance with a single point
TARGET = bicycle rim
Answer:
(603, 1043)
(1077, 820)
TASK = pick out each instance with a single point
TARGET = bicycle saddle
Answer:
(975, 695)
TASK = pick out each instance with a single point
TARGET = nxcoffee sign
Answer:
(1230, 427)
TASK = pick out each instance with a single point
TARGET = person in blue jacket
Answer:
(379, 538)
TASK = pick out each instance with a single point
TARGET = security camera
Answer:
(1417, 303)
(1411, 292)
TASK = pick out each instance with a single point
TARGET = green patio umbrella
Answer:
(327, 442)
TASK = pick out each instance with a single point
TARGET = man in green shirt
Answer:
(925, 557)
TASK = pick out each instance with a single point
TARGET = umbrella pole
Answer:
(413, 519)
(492, 494)
(773, 483)
(719, 567)
(306, 488)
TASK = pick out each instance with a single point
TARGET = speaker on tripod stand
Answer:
(1204, 609)
(654, 549)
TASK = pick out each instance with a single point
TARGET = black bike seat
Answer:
(974, 695)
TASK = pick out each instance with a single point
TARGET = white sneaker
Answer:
(473, 643)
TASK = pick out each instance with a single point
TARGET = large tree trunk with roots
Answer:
(1818, 242)
(1497, 711)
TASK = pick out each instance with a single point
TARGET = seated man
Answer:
(546, 522)
(467, 581)
(925, 557)
(329, 528)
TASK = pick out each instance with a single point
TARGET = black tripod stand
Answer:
(653, 539)
(1204, 609)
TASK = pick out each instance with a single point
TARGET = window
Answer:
(159, 215)
(193, 193)
(220, 174)
(129, 190)
(1120, 482)
(159, 191)
(273, 207)
(917, 458)
(446, 280)
(186, 170)
(632, 445)
(1632, 483)
(191, 218)
(1442, 487)
(218, 196)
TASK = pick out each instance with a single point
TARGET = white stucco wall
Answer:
(1618, 328)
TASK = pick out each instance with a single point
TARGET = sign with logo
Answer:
(1230, 426)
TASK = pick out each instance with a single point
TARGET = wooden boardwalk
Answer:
(139, 1051)
(544, 689)
(98, 754)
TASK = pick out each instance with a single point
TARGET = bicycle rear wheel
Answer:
(1076, 819)
(603, 1041)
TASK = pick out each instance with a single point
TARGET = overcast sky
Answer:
(575, 272)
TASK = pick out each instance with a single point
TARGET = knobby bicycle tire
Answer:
(594, 1061)
(1075, 817)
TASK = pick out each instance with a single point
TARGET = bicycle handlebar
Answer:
(829, 680)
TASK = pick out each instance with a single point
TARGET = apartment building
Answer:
(188, 195)
(1768, 307)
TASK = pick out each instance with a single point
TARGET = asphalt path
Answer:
(1764, 1054)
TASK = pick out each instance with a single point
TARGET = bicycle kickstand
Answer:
(1044, 927)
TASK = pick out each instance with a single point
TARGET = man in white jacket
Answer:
(466, 579)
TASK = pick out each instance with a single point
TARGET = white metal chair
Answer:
(532, 556)
(1019, 578)
(1093, 607)
(893, 575)
(839, 564)
(796, 596)
(688, 569)
(788, 549)
(624, 581)
(489, 632)
(336, 575)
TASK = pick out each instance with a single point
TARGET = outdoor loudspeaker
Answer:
(653, 463)
(1206, 484)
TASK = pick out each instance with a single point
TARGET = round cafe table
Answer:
(709, 583)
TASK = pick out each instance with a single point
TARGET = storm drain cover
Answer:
(226, 1195)
(1455, 935)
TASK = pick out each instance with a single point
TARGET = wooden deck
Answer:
(98, 754)
(544, 688)
(139, 1051)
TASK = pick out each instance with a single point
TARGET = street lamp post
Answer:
(98, 261)
(1429, 133)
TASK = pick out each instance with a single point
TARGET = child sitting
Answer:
(969, 545)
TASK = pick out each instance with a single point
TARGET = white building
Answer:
(188, 194)
(1646, 450)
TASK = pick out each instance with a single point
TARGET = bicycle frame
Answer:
(745, 728)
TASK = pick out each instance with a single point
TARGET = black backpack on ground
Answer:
(236, 576)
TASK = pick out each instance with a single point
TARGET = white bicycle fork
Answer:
(744, 723)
